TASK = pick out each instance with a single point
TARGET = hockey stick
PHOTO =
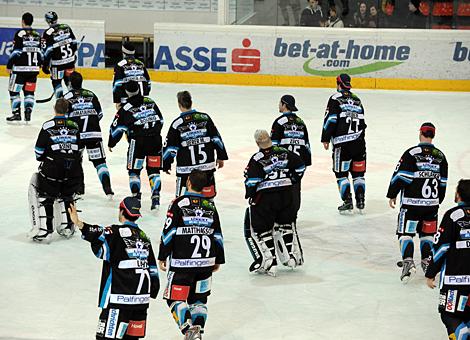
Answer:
(45, 100)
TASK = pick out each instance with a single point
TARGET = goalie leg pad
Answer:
(40, 209)
(297, 247)
(261, 246)
(62, 223)
(283, 239)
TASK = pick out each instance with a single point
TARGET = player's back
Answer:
(350, 120)
(85, 110)
(61, 148)
(289, 131)
(145, 117)
(131, 69)
(197, 231)
(426, 169)
(127, 256)
(26, 55)
(273, 169)
(59, 44)
(196, 141)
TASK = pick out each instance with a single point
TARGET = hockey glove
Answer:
(45, 69)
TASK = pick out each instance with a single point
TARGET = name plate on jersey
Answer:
(457, 280)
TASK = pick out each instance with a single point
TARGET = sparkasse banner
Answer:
(89, 33)
(316, 52)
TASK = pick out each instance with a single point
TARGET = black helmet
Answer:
(51, 17)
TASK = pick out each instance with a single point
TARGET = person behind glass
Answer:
(415, 19)
(334, 20)
(373, 17)
(312, 15)
(360, 17)
(295, 6)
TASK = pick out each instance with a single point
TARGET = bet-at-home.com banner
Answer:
(368, 53)
(90, 35)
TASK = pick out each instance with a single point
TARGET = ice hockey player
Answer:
(192, 242)
(129, 69)
(141, 120)
(269, 179)
(289, 131)
(60, 47)
(451, 257)
(344, 126)
(194, 140)
(60, 176)
(420, 178)
(85, 110)
(129, 277)
(23, 66)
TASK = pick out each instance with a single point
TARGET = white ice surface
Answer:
(349, 287)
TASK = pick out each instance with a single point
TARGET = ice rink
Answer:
(349, 287)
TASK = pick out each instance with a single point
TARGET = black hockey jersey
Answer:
(192, 236)
(27, 54)
(129, 277)
(85, 110)
(421, 176)
(344, 120)
(272, 169)
(139, 117)
(130, 69)
(451, 257)
(290, 132)
(193, 139)
(58, 147)
(59, 46)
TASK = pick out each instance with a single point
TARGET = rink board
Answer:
(89, 33)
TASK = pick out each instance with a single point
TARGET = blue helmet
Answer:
(51, 17)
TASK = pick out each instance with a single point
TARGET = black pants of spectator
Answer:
(122, 323)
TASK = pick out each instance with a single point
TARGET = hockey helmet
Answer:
(51, 17)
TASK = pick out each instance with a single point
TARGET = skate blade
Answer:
(346, 212)
(360, 211)
(110, 197)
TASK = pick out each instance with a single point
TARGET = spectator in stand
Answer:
(360, 17)
(312, 15)
(334, 20)
(415, 19)
(295, 6)
(373, 17)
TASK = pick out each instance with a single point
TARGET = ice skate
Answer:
(15, 117)
(425, 264)
(44, 236)
(346, 207)
(155, 202)
(408, 271)
(108, 192)
(193, 333)
(68, 231)
(360, 203)
(27, 115)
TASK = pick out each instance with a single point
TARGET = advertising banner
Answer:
(90, 35)
(320, 52)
